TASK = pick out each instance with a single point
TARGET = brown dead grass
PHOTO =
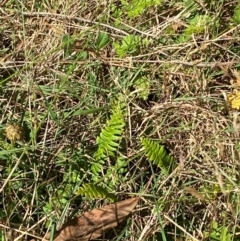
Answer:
(185, 109)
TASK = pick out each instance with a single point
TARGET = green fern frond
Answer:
(157, 154)
(94, 191)
(109, 138)
(97, 166)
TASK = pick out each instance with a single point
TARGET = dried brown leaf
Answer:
(93, 224)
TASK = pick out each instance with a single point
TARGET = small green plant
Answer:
(219, 233)
(135, 8)
(61, 197)
(157, 154)
(102, 41)
(129, 45)
(196, 25)
(68, 43)
(142, 86)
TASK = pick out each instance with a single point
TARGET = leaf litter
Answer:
(93, 224)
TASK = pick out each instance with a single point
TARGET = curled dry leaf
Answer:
(93, 224)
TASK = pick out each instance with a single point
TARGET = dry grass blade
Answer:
(93, 224)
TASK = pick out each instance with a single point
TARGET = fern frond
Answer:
(157, 154)
(94, 191)
(108, 140)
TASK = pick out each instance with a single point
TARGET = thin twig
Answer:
(39, 14)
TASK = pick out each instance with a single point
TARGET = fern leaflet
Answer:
(157, 154)
(108, 140)
(94, 191)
